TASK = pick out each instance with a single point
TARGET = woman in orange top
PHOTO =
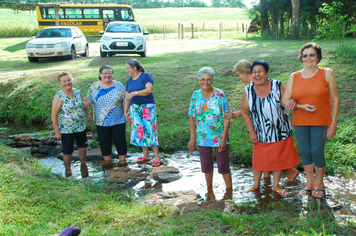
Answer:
(312, 94)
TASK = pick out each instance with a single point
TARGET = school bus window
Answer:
(126, 14)
(91, 13)
(73, 13)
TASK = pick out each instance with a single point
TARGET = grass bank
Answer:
(27, 89)
(34, 202)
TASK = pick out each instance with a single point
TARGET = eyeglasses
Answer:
(205, 80)
(106, 73)
(310, 55)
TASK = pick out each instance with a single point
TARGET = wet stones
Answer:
(165, 174)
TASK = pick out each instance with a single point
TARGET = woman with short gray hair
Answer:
(209, 129)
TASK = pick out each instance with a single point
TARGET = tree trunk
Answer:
(294, 33)
(264, 17)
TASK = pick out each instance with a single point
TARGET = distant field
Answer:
(24, 23)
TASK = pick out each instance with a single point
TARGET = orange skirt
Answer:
(279, 155)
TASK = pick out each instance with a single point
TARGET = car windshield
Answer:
(53, 33)
(123, 28)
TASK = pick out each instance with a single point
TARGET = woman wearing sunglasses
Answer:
(312, 94)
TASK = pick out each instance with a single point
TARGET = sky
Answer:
(250, 3)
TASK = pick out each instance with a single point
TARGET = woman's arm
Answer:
(127, 108)
(230, 114)
(335, 102)
(86, 112)
(222, 145)
(192, 141)
(56, 107)
(245, 113)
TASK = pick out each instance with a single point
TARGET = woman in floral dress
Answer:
(140, 111)
(209, 130)
(68, 119)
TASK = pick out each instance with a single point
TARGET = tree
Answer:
(265, 27)
(294, 32)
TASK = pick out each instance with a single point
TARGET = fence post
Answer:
(203, 26)
(182, 31)
(178, 30)
(243, 27)
(192, 30)
(220, 31)
(237, 27)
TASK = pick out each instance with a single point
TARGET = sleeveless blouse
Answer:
(269, 120)
(314, 91)
(71, 117)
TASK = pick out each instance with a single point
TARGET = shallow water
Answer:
(341, 192)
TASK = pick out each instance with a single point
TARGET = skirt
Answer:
(143, 125)
(279, 155)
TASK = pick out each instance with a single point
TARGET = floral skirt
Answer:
(143, 125)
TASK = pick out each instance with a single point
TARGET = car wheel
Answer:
(73, 53)
(86, 53)
(143, 54)
(102, 54)
(33, 59)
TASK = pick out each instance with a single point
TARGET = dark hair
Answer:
(260, 62)
(134, 62)
(105, 67)
(310, 45)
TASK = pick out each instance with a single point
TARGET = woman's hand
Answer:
(332, 130)
(130, 95)
(291, 104)
(89, 120)
(128, 117)
(228, 115)
(253, 137)
(191, 145)
(307, 107)
(58, 136)
(222, 146)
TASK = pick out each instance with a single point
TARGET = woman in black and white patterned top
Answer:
(268, 126)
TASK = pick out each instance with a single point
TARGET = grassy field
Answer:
(24, 23)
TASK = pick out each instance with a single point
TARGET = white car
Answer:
(123, 38)
(59, 41)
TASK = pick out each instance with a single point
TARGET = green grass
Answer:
(34, 202)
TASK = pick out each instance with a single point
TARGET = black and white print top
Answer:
(269, 120)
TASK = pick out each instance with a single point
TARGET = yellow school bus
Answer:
(90, 18)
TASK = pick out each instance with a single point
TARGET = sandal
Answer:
(315, 191)
(156, 163)
(305, 192)
(250, 190)
(282, 193)
(143, 159)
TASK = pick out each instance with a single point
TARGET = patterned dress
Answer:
(71, 117)
(275, 149)
(209, 115)
(108, 104)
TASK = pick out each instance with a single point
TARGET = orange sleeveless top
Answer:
(313, 91)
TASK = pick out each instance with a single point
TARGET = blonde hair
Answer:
(243, 66)
(64, 74)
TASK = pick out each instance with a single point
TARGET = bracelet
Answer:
(337, 120)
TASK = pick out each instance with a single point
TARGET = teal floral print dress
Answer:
(71, 117)
(209, 115)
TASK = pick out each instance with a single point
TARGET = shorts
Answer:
(207, 159)
(68, 141)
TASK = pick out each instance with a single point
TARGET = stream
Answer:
(340, 197)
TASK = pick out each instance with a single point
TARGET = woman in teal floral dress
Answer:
(68, 119)
(209, 130)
